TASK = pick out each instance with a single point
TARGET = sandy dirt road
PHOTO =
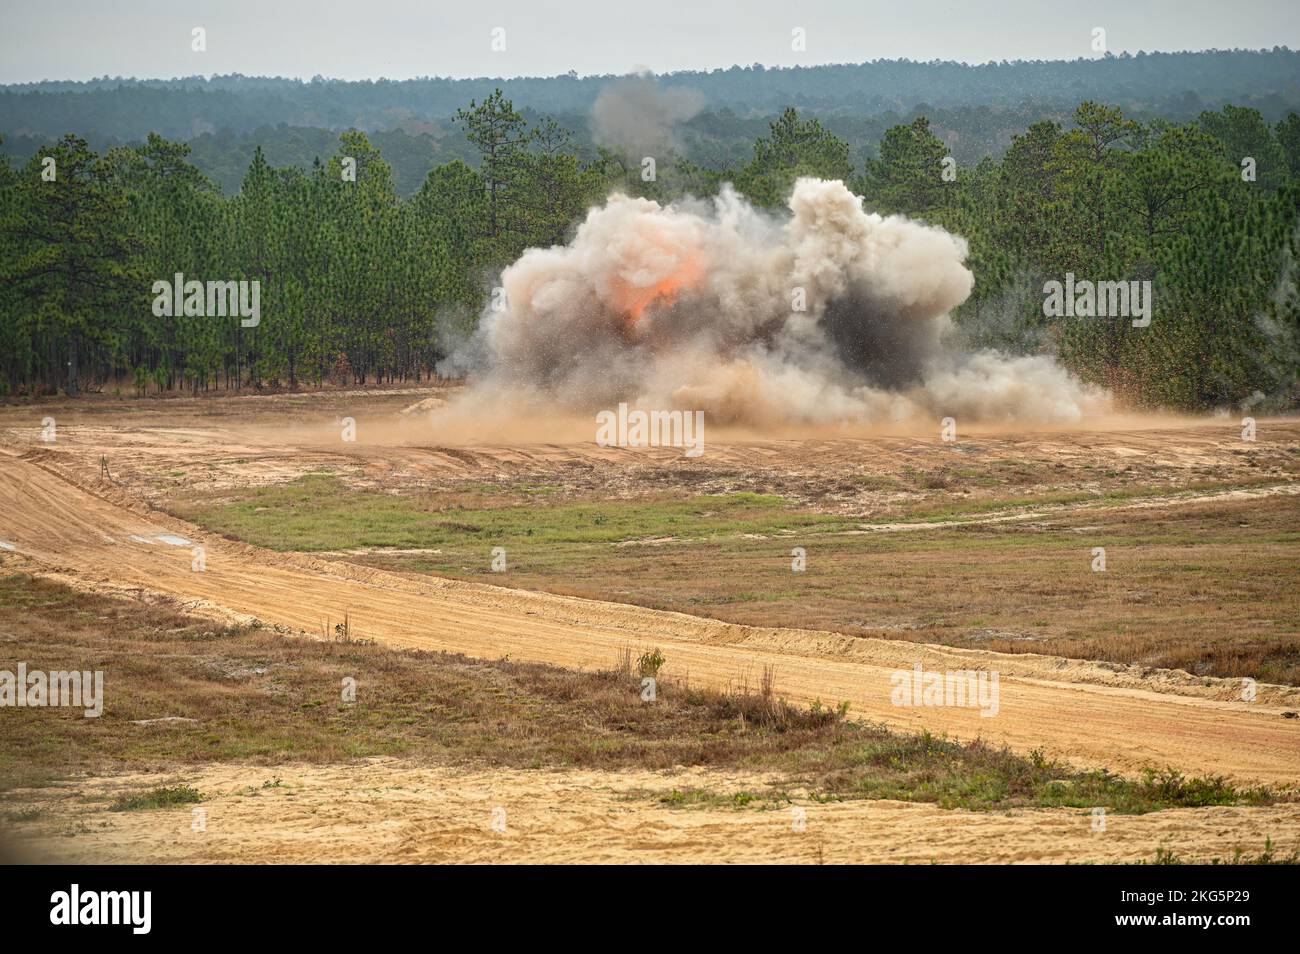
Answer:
(159, 446)
(389, 811)
(1089, 713)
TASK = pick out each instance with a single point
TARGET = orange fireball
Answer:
(632, 297)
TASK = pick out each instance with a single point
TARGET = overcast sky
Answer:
(81, 39)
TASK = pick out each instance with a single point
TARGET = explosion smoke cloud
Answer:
(693, 305)
(636, 116)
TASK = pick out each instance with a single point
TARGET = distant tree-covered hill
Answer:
(185, 108)
(975, 109)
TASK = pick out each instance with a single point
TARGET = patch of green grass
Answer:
(1205, 587)
(874, 763)
(948, 511)
(24, 815)
(163, 797)
(876, 482)
(699, 797)
(317, 512)
(772, 597)
(1269, 856)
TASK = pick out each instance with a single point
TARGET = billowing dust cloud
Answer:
(636, 116)
(827, 315)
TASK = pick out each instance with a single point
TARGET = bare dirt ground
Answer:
(58, 517)
(1116, 718)
(156, 446)
(389, 811)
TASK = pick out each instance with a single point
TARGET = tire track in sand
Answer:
(1078, 711)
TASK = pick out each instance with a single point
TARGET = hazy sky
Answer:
(80, 39)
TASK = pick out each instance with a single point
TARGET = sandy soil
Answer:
(59, 518)
(1097, 714)
(161, 446)
(394, 812)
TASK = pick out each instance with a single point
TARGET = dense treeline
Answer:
(359, 284)
(180, 109)
(355, 283)
(715, 139)
(1207, 212)
(975, 109)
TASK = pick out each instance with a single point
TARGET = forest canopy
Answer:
(363, 280)
(975, 108)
